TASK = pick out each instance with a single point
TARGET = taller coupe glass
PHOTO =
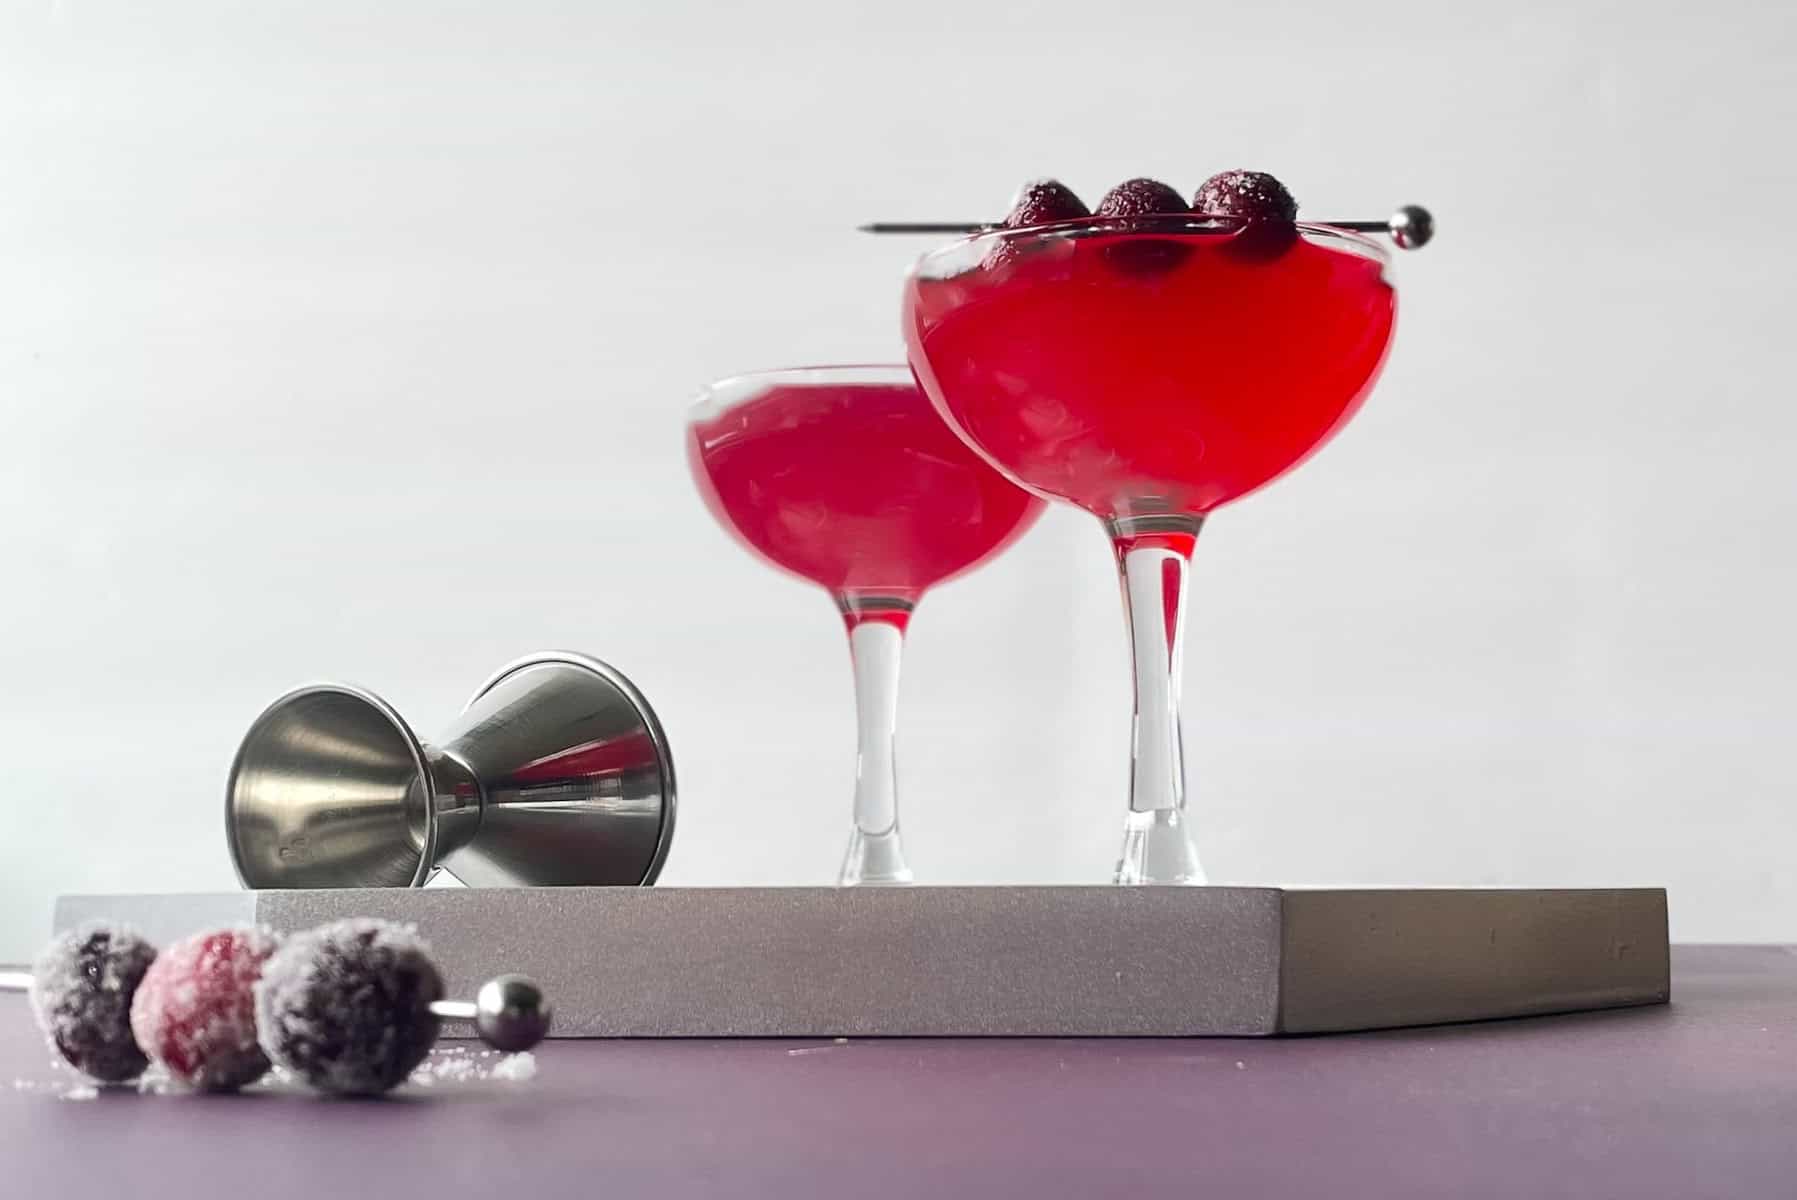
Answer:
(846, 477)
(1149, 369)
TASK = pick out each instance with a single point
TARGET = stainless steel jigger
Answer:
(556, 774)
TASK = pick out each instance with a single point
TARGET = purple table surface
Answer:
(1693, 1100)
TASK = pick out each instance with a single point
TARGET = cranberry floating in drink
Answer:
(1149, 365)
(845, 477)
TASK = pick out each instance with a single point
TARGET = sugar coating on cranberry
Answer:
(1043, 201)
(195, 1012)
(346, 1007)
(1253, 194)
(1140, 198)
(1136, 255)
(1040, 202)
(81, 991)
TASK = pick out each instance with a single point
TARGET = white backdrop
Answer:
(351, 340)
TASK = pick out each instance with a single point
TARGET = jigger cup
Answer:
(556, 774)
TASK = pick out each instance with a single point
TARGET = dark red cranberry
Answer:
(1140, 256)
(82, 987)
(347, 1007)
(1246, 194)
(1043, 201)
(1262, 200)
(1140, 198)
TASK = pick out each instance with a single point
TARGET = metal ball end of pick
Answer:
(509, 1012)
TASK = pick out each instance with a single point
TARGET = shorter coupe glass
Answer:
(846, 477)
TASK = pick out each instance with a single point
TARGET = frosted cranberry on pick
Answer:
(1140, 198)
(82, 987)
(1042, 202)
(1138, 256)
(1264, 202)
(195, 1011)
(1039, 202)
(1254, 194)
(347, 1006)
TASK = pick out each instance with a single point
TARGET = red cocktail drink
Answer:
(857, 486)
(1135, 375)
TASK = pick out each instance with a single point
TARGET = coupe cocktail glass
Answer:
(846, 477)
(1149, 369)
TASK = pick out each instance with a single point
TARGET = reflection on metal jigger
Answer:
(556, 774)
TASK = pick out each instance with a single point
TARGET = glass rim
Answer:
(723, 393)
(1160, 226)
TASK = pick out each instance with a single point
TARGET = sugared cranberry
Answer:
(1140, 198)
(347, 1006)
(1137, 255)
(82, 986)
(1253, 194)
(195, 1012)
(1042, 201)
(1268, 208)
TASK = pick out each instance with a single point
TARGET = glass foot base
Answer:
(1157, 848)
(874, 858)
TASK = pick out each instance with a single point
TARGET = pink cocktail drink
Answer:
(854, 485)
(848, 478)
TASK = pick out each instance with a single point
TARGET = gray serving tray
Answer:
(1035, 961)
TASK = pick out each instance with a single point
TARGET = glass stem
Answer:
(875, 853)
(1154, 561)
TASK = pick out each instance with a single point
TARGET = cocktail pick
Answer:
(557, 773)
(1411, 227)
(353, 1007)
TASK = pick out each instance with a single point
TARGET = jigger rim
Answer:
(427, 852)
(658, 738)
